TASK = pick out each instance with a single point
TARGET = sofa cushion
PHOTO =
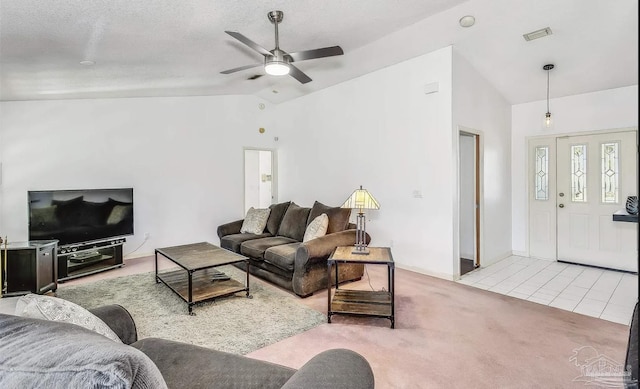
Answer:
(232, 242)
(255, 221)
(282, 256)
(255, 248)
(294, 222)
(338, 217)
(46, 354)
(56, 309)
(275, 218)
(317, 228)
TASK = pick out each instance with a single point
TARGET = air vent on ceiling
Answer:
(537, 34)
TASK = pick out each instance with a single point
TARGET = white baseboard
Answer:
(490, 261)
(520, 253)
(444, 276)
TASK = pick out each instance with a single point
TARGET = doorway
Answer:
(469, 186)
(576, 185)
(259, 178)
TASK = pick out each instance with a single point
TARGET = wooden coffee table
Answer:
(197, 280)
(362, 302)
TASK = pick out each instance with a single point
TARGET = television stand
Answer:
(89, 258)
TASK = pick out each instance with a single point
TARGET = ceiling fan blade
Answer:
(317, 53)
(229, 71)
(298, 75)
(249, 42)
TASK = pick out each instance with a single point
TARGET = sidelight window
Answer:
(609, 164)
(579, 173)
(542, 173)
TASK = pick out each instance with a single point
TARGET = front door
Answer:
(595, 174)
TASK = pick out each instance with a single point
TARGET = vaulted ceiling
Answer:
(178, 48)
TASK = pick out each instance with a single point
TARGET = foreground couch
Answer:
(46, 354)
(279, 255)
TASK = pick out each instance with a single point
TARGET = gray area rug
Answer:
(234, 324)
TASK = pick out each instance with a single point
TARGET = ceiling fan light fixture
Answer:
(276, 68)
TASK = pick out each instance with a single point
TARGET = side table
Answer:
(361, 302)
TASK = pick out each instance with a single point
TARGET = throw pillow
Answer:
(317, 228)
(294, 222)
(338, 217)
(56, 309)
(255, 221)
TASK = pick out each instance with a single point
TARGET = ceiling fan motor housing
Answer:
(277, 56)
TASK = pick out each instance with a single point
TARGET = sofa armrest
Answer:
(322, 247)
(119, 320)
(230, 228)
(186, 365)
(337, 368)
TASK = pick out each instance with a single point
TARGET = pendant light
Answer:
(547, 116)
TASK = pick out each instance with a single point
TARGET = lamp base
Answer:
(360, 250)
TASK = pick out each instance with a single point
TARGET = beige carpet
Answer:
(234, 324)
(450, 335)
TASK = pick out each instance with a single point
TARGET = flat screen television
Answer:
(79, 216)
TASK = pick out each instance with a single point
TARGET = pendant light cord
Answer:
(548, 67)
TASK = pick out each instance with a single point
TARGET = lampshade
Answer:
(361, 199)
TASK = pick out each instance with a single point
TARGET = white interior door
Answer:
(595, 174)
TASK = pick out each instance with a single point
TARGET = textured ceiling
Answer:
(178, 48)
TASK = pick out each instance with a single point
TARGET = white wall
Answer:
(603, 110)
(383, 132)
(479, 108)
(183, 157)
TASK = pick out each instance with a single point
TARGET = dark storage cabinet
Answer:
(30, 267)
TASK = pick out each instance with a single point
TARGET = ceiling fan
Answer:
(278, 62)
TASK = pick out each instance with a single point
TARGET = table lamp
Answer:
(361, 199)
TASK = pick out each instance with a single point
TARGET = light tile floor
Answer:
(607, 294)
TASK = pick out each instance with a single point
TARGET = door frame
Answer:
(479, 198)
(554, 137)
(274, 173)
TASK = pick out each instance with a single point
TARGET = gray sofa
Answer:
(278, 254)
(46, 354)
